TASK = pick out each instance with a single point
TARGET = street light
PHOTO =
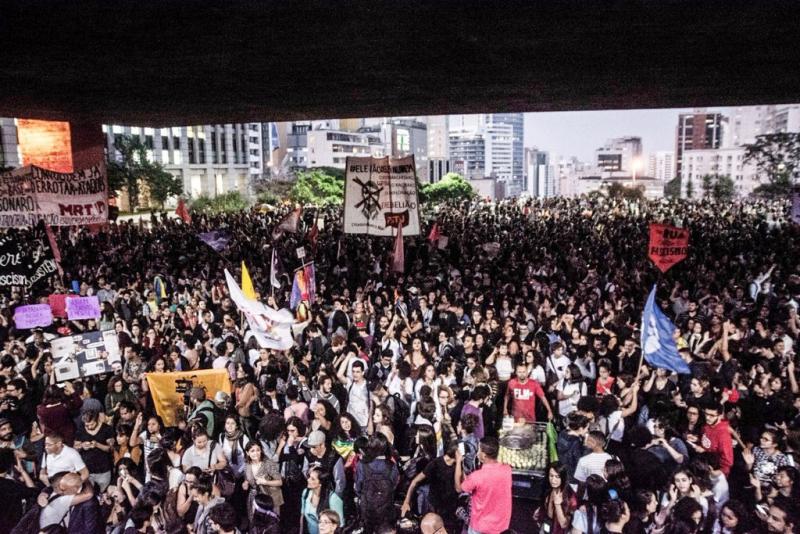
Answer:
(636, 163)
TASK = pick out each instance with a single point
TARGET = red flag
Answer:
(399, 259)
(182, 212)
(288, 224)
(433, 237)
(312, 236)
(668, 245)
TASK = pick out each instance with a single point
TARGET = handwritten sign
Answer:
(668, 245)
(83, 308)
(32, 316)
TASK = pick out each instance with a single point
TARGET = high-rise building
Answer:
(211, 159)
(468, 153)
(698, 131)
(438, 141)
(499, 146)
(517, 123)
(437, 168)
(661, 165)
(620, 154)
(539, 175)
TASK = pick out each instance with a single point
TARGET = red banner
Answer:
(668, 245)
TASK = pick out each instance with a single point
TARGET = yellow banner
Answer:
(168, 389)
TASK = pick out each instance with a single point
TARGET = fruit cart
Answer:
(524, 448)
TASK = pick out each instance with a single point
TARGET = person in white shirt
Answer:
(59, 458)
(557, 362)
(70, 490)
(358, 394)
(593, 463)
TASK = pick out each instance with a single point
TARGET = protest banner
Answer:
(86, 354)
(26, 262)
(377, 193)
(168, 389)
(58, 304)
(668, 245)
(83, 308)
(32, 315)
(31, 193)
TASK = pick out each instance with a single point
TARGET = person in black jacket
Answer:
(13, 491)
(570, 442)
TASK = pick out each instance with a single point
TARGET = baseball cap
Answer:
(317, 437)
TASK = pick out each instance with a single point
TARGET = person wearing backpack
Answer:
(375, 482)
(202, 408)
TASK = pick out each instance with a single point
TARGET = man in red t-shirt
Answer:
(524, 392)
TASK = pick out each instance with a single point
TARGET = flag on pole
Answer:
(51, 238)
(288, 224)
(434, 235)
(299, 289)
(658, 345)
(275, 270)
(182, 212)
(313, 235)
(311, 281)
(272, 328)
(399, 258)
(247, 283)
(216, 239)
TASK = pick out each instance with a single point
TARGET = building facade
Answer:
(661, 165)
(517, 123)
(698, 131)
(330, 148)
(468, 153)
(722, 162)
(210, 159)
(539, 176)
(620, 154)
(499, 147)
(9, 144)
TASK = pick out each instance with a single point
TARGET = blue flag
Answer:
(216, 239)
(658, 346)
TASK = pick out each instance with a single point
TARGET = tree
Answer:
(317, 186)
(229, 202)
(131, 169)
(452, 187)
(617, 190)
(672, 188)
(707, 184)
(689, 189)
(161, 183)
(723, 189)
(778, 157)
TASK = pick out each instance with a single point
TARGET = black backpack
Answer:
(377, 495)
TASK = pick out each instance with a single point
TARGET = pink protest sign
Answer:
(83, 308)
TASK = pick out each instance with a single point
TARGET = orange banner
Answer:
(167, 389)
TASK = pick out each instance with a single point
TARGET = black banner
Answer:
(26, 262)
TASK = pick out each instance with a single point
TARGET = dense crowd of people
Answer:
(385, 415)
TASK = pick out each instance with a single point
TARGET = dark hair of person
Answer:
(52, 395)
(325, 488)
(158, 463)
(744, 518)
(204, 484)
(595, 491)
(355, 428)
(271, 427)
(427, 440)
(469, 422)
(377, 445)
(685, 508)
(611, 511)
(298, 424)
(490, 447)
(616, 477)
(224, 515)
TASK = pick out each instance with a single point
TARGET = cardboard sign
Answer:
(83, 308)
(377, 187)
(32, 316)
(58, 304)
(668, 245)
(90, 353)
(301, 253)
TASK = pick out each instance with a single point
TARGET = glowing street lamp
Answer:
(636, 164)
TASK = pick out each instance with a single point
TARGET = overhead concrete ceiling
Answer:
(202, 61)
